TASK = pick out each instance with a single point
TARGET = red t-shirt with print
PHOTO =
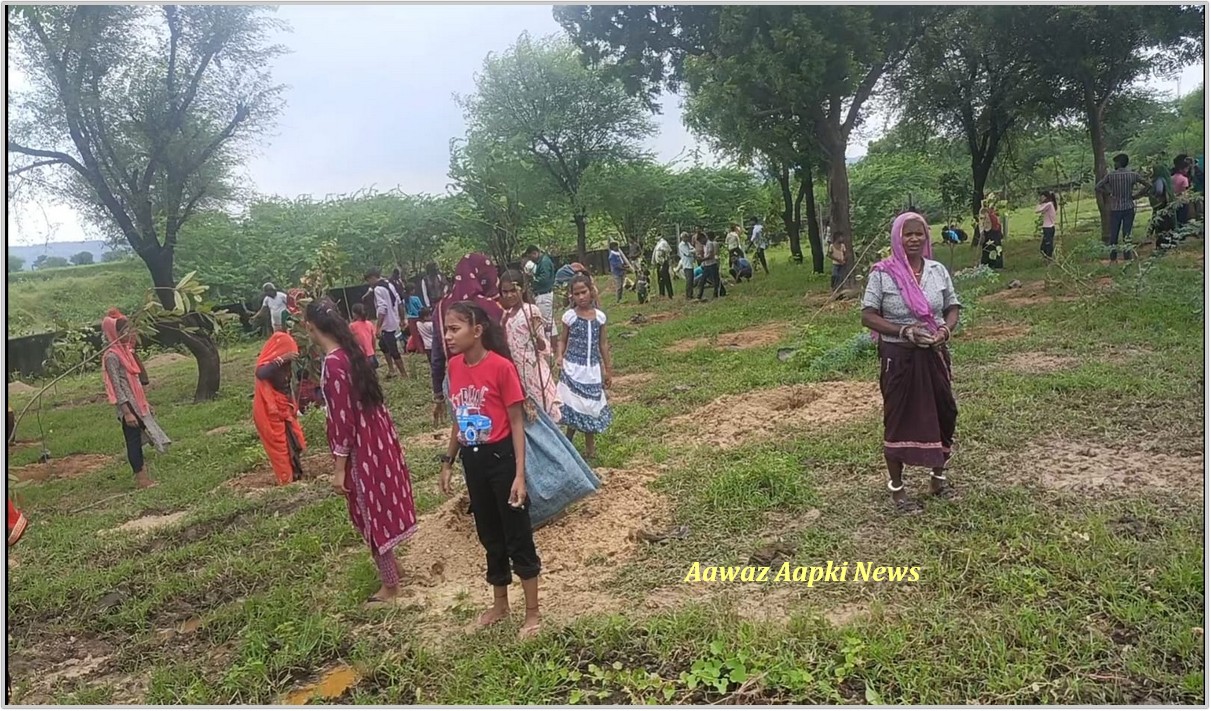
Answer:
(481, 395)
(363, 333)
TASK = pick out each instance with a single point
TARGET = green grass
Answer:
(1026, 595)
(48, 299)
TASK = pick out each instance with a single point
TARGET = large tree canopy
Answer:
(543, 104)
(137, 116)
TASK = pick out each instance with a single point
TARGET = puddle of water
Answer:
(334, 683)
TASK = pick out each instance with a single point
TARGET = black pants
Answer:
(388, 341)
(759, 255)
(134, 446)
(1121, 223)
(664, 280)
(992, 255)
(689, 282)
(710, 273)
(1048, 246)
(504, 531)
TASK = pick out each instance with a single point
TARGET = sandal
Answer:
(376, 600)
(947, 492)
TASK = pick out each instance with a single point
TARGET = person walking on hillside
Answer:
(387, 306)
(911, 307)
(760, 243)
(686, 255)
(619, 264)
(1118, 188)
(369, 468)
(123, 376)
(543, 285)
(662, 257)
(274, 411)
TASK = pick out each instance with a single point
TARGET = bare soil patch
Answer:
(762, 413)
(331, 685)
(73, 466)
(1096, 468)
(143, 524)
(165, 359)
(846, 613)
(19, 388)
(1037, 362)
(253, 481)
(61, 662)
(1028, 294)
(657, 317)
(756, 337)
(444, 562)
(686, 345)
(227, 429)
(626, 387)
(995, 332)
(433, 438)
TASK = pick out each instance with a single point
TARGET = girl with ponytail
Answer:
(369, 466)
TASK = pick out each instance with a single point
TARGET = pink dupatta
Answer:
(896, 266)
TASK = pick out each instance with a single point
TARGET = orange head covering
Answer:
(115, 344)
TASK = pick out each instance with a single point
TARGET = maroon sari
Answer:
(380, 486)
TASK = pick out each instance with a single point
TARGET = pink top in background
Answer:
(1180, 183)
(1048, 211)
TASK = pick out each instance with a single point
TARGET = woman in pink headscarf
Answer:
(122, 371)
(911, 306)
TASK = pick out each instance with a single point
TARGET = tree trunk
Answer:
(582, 248)
(199, 343)
(1097, 137)
(833, 144)
(789, 219)
(813, 222)
(796, 246)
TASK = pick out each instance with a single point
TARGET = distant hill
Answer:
(57, 249)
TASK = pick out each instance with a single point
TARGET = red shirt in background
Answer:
(363, 333)
(481, 395)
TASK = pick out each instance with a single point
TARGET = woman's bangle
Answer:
(945, 328)
(903, 330)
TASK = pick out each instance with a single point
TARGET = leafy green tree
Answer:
(632, 197)
(540, 101)
(973, 76)
(1093, 54)
(82, 258)
(15, 263)
(137, 116)
(813, 68)
(48, 262)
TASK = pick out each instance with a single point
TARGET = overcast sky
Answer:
(370, 102)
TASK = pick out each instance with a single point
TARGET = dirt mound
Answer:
(658, 317)
(756, 337)
(761, 413)
(72, 466)
(143, 524)
(994, 332)
(1029, 294)
(686, 345)
(626, 387)
(253, 481)
(19, 388)
(444, 562)
(1091, 467)
(1036, 362)
(165, 359)
(425, 440)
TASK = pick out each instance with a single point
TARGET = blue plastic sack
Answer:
(556, 475)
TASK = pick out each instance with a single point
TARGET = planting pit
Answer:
(151, 522)
(756, 337)
(761, 414)
(426, 440)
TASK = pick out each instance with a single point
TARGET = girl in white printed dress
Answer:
(585, 368)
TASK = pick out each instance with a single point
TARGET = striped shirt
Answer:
(1119, 183)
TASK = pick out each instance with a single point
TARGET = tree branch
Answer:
(55, 155)
(36, 164)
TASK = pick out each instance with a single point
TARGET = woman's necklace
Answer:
(481, 359)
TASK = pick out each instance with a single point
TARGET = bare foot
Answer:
(491, 616)
(530, 626)
(383, 596)
(143, 481)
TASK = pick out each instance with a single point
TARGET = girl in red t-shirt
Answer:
(363, 332)
(488, 433)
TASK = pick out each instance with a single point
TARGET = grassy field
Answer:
(1070, 570)
(44, 300)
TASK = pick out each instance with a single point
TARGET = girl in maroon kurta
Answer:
(370, 470)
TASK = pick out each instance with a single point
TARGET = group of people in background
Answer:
(698, 260)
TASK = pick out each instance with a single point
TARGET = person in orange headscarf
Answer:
(273, 409)
(123, 375)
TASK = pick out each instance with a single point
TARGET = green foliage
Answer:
(48, 262)
(82, 258)
(15, 263)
